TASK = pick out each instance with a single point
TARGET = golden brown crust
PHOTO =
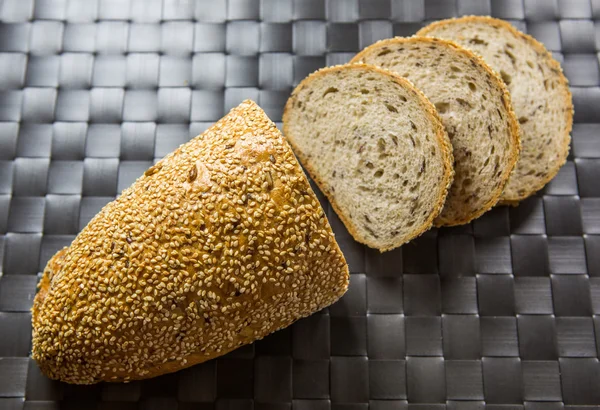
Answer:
(43, 286)
(506, 100)
(441, 135)
(555, 67)
(217, 245)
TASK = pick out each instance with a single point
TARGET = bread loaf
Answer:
(475, 108)
(376, 148)
(217, 245)
(540, 95)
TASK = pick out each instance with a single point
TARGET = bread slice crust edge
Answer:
(554, 66)
(440, 132)
(506, 100)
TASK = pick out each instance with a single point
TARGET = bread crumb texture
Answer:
(217, 245)
(376, 147)
(475, 108)
(539, 91)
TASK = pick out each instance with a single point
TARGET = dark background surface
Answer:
(503, 313)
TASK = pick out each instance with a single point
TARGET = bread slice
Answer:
(376, 148)
(539, 90)
(217, 245)
(475, 108)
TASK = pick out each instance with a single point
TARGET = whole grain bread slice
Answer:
(539, 90)
(475, 108)
(375, 146)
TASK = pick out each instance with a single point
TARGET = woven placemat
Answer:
(503, 313)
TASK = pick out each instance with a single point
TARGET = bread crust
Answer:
(506, 100)
(554, 66)
(217, 245)
(441, 135)
(53, 268)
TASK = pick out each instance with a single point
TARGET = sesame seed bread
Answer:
(539, 90)
(217, 245)
(375, 146)
(475, 108)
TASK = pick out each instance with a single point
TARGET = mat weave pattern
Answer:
(503, 313)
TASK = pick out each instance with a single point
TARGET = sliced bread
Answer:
(375, 146)
(539, 90)
(217, 245)
(475, 108)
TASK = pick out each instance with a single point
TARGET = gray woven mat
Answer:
(503, 313)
